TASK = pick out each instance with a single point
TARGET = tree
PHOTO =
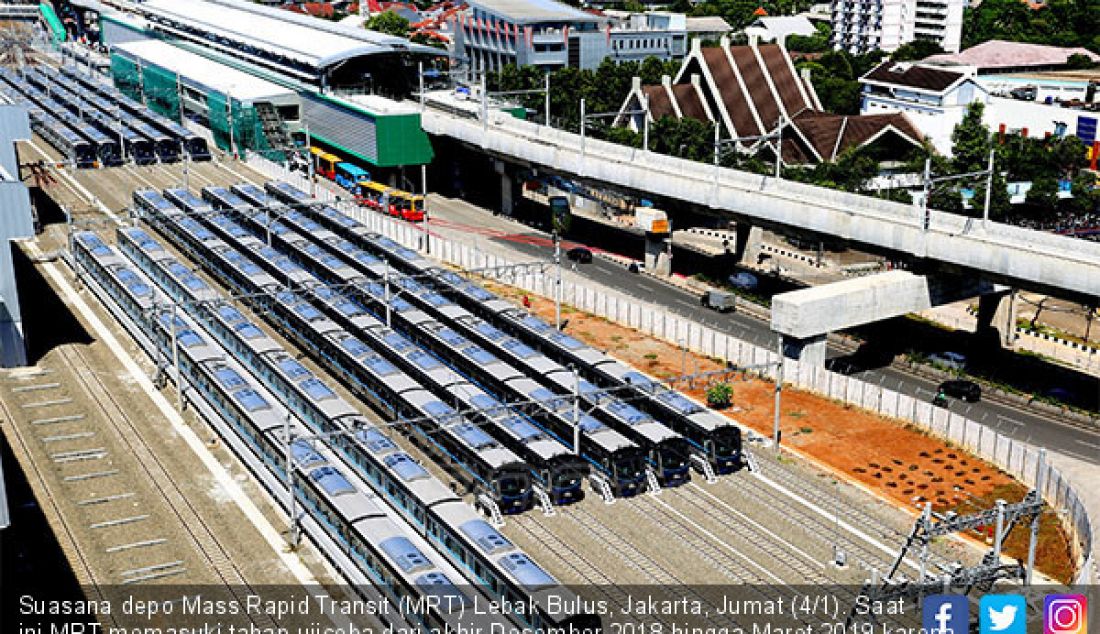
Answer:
(390, 23)
(1043, 194)
(971, 141)
(816, 43)
(1077, 61)
(916, 50)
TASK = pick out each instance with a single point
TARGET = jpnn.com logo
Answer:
(945, 614)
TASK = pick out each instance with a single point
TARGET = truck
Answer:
(720, 301)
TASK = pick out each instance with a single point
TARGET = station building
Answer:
(255, 74)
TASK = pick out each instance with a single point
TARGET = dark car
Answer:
(580, 255)
(968, 391)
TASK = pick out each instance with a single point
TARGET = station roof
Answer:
(532, 11)
(306, 39)
(227, 80)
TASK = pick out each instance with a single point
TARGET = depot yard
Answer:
(889, 458)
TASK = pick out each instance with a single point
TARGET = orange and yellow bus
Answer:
(324, 163)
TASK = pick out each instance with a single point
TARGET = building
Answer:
(552, 35)
(860, 26)
(1000, 57)
(331, 71)
(753, 91)
(770, 29)
(936, 98)
(709, 27)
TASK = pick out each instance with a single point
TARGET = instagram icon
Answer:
(1065, 614)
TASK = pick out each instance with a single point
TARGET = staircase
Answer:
(544, 501)
(491, 509)
(652, 481)
(278, 138)
(703, 465)
(602, 487)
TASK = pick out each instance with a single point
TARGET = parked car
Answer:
(636, 267)
(968, 391)
(580, 255)
(744, 280)
(949, 360)
(720, 301)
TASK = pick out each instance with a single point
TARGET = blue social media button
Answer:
(945, 614)
(1002, 614)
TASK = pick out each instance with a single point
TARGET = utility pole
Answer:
(484, 105)
(779, 149)
(1040, 481)
(547, 99)
(576, 412)
(557, 281)
(309, 163)
(645, 123)
(988, 190)
(778, 388)
(424, 207)
(582, 127)
(386, 284)
(927, 190)
(176, 361)
(420, 72)
(292, 501)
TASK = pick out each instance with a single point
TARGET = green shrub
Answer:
(719, 395)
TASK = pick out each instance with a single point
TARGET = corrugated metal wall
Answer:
(345, 129)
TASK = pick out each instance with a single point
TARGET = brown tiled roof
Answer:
(756, 85)
(691, 105)
(659, 104)
(733, 98)
(786, 82)
(912, 76)
(822, 130)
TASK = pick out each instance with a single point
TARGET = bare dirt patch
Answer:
(893, 459)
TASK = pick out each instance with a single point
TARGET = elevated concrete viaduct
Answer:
(940, 243)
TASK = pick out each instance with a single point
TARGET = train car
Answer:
(447, 521)
(495, 470)
(324, 163)
(711, 436)
(349, 175)
(610, 453)
(351, 518)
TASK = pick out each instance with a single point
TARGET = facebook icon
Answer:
(945, 614)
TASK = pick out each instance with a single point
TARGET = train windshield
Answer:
(672, 456)
(196, 147)
(727, 442)
(511, 484)
(629, 467)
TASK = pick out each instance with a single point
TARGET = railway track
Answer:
(802, 565)
(665, 582)
(157, 476)
(573, 560)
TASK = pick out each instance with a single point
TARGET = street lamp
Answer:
(776, 134)
(607, 115)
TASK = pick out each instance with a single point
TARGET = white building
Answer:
(860, 26)
(936, 99)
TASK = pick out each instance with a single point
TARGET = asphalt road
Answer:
(1022, 424)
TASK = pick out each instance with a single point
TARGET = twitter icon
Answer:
(1002, 614)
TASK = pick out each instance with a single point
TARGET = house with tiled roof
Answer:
(753, 90)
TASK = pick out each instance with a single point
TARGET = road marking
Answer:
(131, 545)
(34, 388)
(122, 521)
(1088, 444)
(89, 476)
(1005, 419)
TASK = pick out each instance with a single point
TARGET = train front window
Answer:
(726, 443)
(510, 486)
(671, 459)
(629, 467)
